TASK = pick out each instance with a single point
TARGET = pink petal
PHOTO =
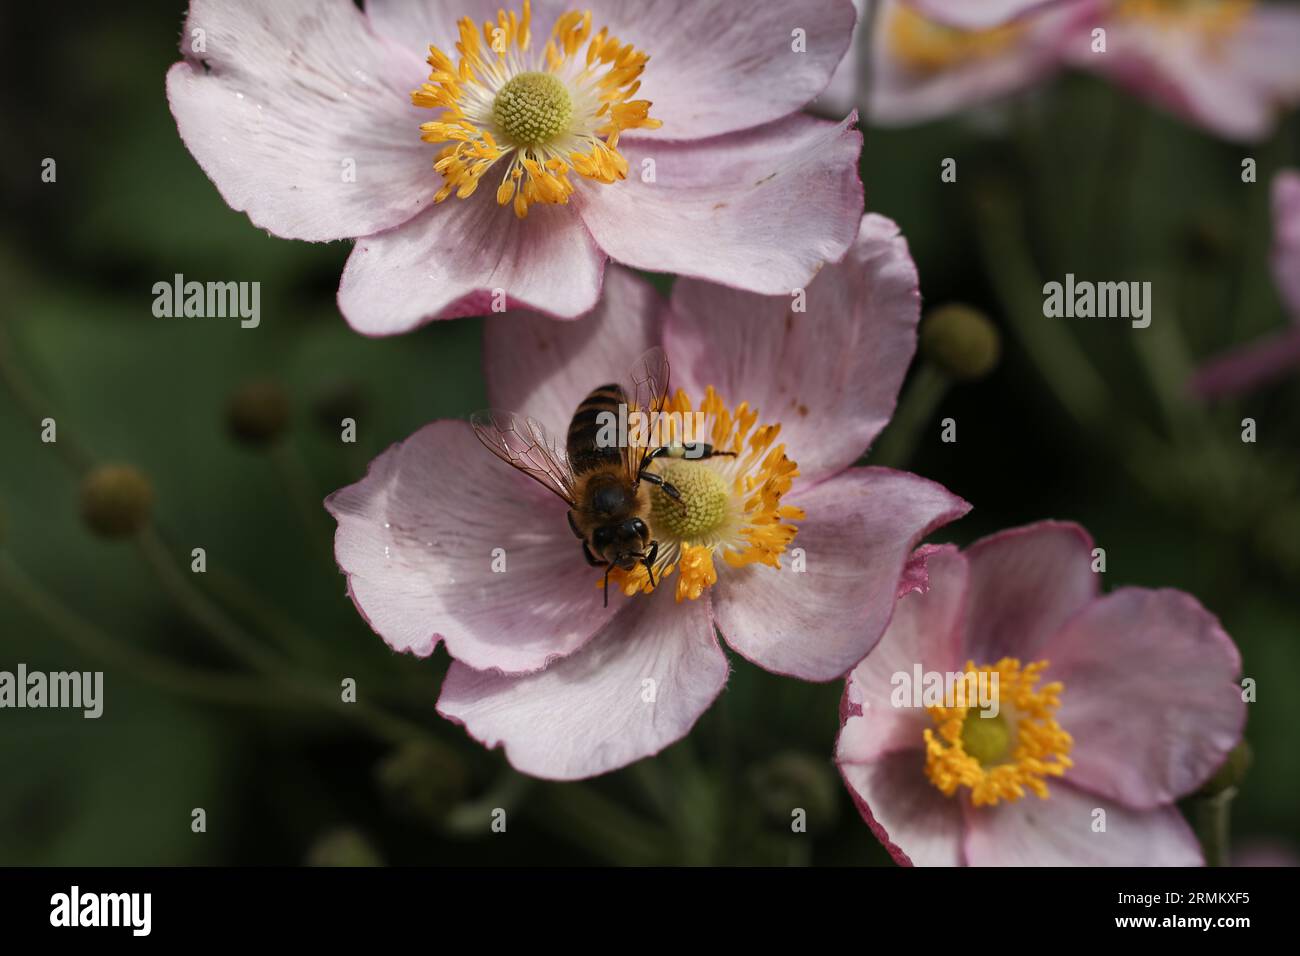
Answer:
(1024, 585)
(1151, 695)
(416, 539)
(761, 210)
(1286, 239)
(545, 369)
(977, 14)
(1232, 84)
(285, 98)
(1251, 366)
(830, 376)
(841, 94)
(924, 632)
(1248, 367)
(1059, 831)
(589, 713)
(469, 257)
(860, 529)
(900, 93)
(714, 67)
(1265, 51)
(419, 24)
(917, 824)
(916, 573)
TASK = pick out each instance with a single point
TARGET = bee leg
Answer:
(692, 451)
(594, 561)
(669, 489)
(698, 450)
(573, 525)
(608, 568)
(649, 561)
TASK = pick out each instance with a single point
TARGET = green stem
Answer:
(89, 639)
(915, 411)
(474, 818)
(1213, 819)
(237, 691)
(307, 502)
(199, 608)
(1058, 357)
(36, 408)
(580, 813)
(238, 594)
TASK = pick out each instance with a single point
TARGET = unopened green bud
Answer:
(423, 781)
(961, 341)
(116, 500)
(790, 784)
(258, 413)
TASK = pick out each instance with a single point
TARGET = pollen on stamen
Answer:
(728, 506)
(1003, 755)
(541, 113)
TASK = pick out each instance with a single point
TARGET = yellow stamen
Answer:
(546, 112)
(929, 46)
(999, 757)
(1214, 20)
(729, 506)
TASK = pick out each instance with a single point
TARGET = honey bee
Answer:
(605, 484)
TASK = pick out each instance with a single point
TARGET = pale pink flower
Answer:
(977, 14)
(1230, 66)
(1258, 363)
(570, 688)
(1111, 708)
(676, 147)
(934, 59)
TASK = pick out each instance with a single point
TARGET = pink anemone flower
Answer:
(930, 60)
(1230, 66)
(794, 554)
(1011, 715)
(1258, 363)
(977, 14)
(483, 157)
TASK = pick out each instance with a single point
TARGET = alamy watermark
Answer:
(637, 429)
(75, 908)
(1102, 300)
(209, 300)
(922, 688)
(75, 690)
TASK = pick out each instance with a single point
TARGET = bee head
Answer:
(622, 544)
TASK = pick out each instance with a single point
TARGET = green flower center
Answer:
(702, 508)
(987, 739)
(532, 109)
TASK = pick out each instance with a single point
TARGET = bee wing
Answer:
(646, 390)
(524, 444)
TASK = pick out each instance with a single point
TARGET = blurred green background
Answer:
(1083, 420)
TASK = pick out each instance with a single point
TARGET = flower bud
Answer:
(422, 781)
(795, 781)
(116, 500)
(258, 413)
(961, 341)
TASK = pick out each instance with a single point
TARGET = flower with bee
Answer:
(483, 155)
(770, 536)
